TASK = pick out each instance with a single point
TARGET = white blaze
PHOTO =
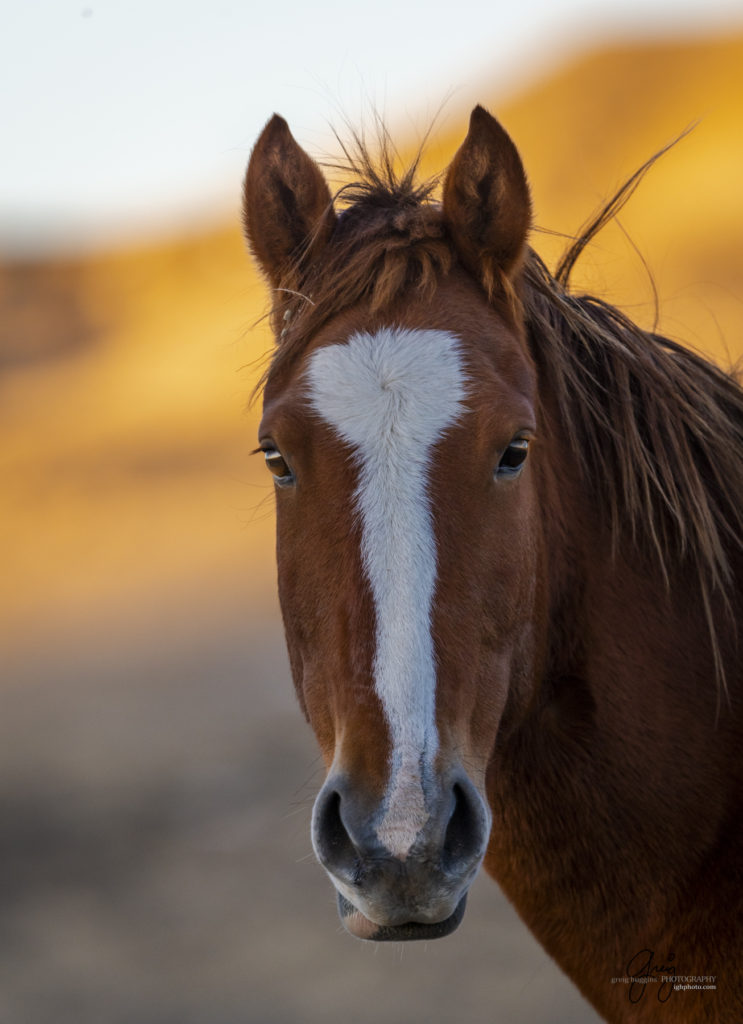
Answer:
(391, 395)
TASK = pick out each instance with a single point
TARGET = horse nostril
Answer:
(464, 834)
(333, 845)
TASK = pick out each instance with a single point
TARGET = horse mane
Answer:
(656, 429)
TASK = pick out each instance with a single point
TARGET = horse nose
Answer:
(407, 890)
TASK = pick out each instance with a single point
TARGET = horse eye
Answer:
(513, 457)
(277, 465)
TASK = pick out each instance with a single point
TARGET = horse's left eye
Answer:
(513, 457)
(277, 465)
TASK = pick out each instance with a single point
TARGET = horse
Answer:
(509, 530)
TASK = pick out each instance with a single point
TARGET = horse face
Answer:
(407, 548)
(407, 553)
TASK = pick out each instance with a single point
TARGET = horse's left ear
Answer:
(487, 207)
(287, 207)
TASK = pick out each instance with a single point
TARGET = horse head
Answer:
(400, 424)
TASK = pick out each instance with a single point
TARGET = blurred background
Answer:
(156, 777)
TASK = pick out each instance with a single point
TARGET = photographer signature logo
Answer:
(645, 968)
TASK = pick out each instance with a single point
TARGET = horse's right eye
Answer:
(277, 466)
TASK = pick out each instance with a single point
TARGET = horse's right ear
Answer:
(287, 206)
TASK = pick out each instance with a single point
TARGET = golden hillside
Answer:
(587, 129)
(127, 481)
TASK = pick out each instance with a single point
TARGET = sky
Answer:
(119, 116)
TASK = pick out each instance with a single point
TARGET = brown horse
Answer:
(509, 558)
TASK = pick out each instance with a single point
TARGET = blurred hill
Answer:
(125, 445)
(586, 129)
(155, 775)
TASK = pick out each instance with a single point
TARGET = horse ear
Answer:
(287, 206)
(486, 202)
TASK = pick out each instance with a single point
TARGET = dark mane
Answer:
(657, 429)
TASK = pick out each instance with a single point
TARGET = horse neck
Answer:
(630, 628)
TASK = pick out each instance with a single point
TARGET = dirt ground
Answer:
(156, 780)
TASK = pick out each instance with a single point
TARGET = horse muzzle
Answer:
(419, 892)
